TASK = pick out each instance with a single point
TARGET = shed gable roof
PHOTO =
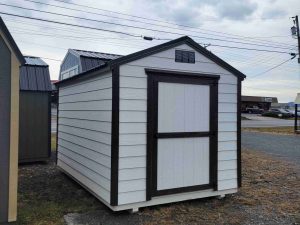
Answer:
(159, 48)
(34, 75)
(183, 40)
(90, 54)
(88, 60)
(11, 41)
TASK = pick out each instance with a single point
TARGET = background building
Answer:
(258, 101)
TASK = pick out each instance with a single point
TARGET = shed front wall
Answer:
(34, 144)
(84, 133)
(133, 121)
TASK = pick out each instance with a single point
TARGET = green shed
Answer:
(35, 111)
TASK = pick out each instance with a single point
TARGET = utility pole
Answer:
(295, 32)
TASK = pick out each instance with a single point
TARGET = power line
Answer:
(246, 60)
(69, 30)
(268, 70)
(76, 31)
(140, 17)
(106, 43)
(144, 18)
(159, 25)
(50, 59)
(250, 49)
(124, 33)
(143, 28)
(69, 24)
(49, 46)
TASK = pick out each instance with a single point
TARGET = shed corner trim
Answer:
(114, 189)
(239, 124)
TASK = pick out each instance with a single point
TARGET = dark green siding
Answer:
(34, 136)
(5, 93)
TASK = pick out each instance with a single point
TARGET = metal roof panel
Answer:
(99, 55)
(34, 75)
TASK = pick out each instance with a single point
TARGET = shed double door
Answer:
(182, 133)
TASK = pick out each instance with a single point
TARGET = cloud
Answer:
(194, 12)
(176, 11)
(274, 13)
(240, 17)
(235, 9)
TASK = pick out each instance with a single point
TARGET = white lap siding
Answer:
(84, 133)
(133, 121)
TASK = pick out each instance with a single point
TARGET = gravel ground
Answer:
(269, 196)
(286, 147)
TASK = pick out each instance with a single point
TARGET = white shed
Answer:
(157, 126)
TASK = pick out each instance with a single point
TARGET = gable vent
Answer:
(184, 56)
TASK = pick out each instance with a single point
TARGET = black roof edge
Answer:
(158, 48)
(81, 76)
(174, 43)
(90, 57)
(216, 59)
(12, 42)
(35, 65)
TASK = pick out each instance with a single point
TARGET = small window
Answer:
(184, 56)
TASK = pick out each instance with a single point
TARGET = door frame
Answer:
(153, 78)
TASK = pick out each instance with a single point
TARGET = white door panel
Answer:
(182, 162)
(183, 107)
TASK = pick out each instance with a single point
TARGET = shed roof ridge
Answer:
(95, 52)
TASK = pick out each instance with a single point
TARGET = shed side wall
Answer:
(5, 93)
(84, 133)
(133, 121)
(34, 117)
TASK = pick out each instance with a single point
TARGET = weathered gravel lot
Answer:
(270, 195)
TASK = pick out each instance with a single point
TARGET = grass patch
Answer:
(46, 194)
(273, 130)
(270, 193)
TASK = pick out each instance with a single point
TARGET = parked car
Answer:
(254, 110)
(279, 113)
(291, 111)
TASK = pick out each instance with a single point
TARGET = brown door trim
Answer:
(154, 77)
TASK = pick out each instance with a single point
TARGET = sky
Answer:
(248, 24)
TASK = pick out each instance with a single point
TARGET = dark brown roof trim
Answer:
(183, 40)
(12, 42)
(165, 46)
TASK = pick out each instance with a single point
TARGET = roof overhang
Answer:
(183, 40)
(11, 41)
(150, 51)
